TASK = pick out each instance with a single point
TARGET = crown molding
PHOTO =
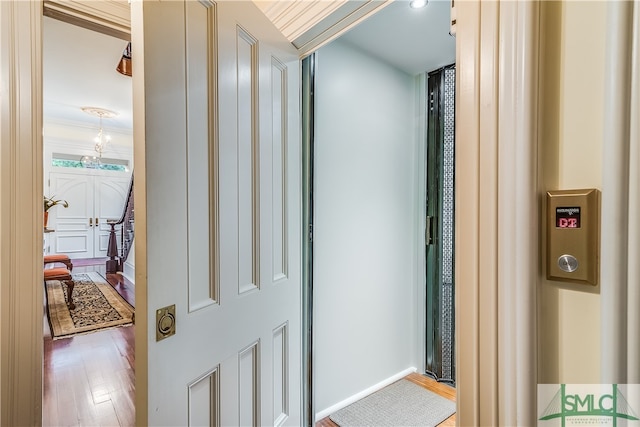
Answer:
(112, 17)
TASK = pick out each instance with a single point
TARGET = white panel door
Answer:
(81, 230)
(110, 197)
(74, 233)
(222, 172)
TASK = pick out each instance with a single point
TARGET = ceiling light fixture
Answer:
(101, 140)
(417, 4)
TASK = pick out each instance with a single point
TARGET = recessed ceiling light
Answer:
(417, 4)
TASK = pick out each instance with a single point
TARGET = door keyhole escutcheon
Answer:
(165, 322)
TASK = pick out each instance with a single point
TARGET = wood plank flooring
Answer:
(426, 382)
(89, 379)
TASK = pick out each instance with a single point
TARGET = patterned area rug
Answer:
(98, 306)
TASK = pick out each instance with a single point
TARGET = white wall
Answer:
(365, 323)
(73, 138)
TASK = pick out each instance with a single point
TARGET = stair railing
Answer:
(116, 260)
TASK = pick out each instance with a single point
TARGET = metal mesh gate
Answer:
(440, 224)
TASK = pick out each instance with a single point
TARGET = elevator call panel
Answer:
(573, 236)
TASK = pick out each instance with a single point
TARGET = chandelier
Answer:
(101, 140)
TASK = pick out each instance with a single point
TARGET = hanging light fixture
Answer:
(101, 140)
(125, 66)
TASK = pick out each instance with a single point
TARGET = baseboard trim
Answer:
(348, 401)
(129, 272)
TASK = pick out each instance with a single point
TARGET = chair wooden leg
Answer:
(70, 286)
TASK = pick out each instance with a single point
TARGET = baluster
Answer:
(112, 249)
(117, 259)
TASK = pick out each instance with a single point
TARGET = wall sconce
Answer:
(124, 66)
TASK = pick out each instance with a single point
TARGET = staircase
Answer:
(117, 258)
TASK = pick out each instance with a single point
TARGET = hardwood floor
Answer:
(89, 379)
(426, 382)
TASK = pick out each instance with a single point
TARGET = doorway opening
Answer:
(366, 166)
(88, 374)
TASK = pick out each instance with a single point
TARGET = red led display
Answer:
(568, 217)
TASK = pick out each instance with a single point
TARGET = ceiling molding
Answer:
(337, 23)
(293, 18)
(112, 17)
(311, 24)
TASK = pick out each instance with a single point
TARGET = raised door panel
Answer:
(201, 154)
(247, 144)
(74, 226)
(279, 187)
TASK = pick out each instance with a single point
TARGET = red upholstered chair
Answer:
(59, 258)
(64, 275)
